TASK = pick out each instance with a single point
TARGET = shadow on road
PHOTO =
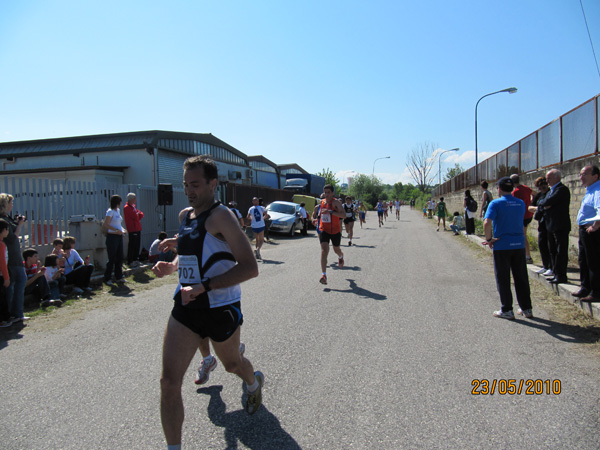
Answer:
(272, 261)
(354, 289)
(563, 332)
(10, 333)
(261, 430)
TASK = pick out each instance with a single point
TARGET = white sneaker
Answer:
(548, 273)
(527, 313)
(109, 283)
(542, 270)
(505, 315)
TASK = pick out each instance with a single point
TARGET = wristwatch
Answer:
(206, 283)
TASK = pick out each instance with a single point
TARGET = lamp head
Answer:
(511, 90)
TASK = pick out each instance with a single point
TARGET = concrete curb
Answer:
(563, 290)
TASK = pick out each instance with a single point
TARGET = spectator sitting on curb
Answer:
(155, 254)
(36, 284)
(55, 278)
(457, 223)
(77, 271)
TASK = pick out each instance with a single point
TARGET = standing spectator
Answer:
(15, 293)
(4, 277)
(430, 208)
(589, 236)
(555, 207)
(77, 270)
(542, 185)
(442, 212)
(304, 217)
(133, 218)
(36, 284)
(114, 241)
(486, 198)
(505, 216)
(524, 193)
(469, 215)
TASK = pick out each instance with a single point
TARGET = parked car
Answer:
(285, 217)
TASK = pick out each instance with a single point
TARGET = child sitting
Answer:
(58, 251)
(36, 284)
(55, 278)
(457, 223)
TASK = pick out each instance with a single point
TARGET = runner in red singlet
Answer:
(330, 212)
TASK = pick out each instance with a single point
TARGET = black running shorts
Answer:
(216, 323)
(335, 239)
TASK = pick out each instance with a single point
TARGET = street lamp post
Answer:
(385, 157)
(510, 90)
(440, 164)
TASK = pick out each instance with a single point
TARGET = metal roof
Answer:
(107, 142)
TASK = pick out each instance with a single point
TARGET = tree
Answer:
(453, 171)
(367, 188)
(330, 178)
(420, 163)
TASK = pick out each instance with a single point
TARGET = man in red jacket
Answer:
(524, 193)
(133, 217)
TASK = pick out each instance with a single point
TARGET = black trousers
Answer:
(589, 261)
(505, 262)
(133, 247)
(80, 277)
(558, 244)
(543, 246)
(469, 225)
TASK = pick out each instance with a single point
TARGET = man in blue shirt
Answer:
(589, 236)
(505, 216)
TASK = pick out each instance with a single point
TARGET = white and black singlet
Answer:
(202, 255)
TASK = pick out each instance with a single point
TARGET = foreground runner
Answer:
(214, 257)
(330, 212)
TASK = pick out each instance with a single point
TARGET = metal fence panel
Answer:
(579, 132)
(529, 153)
(549, 144)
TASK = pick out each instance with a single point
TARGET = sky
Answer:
(326, 84)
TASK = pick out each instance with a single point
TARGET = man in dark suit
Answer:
(555, 207)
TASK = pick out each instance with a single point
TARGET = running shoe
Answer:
(349, 243)
(5, 323)
(527, 313)
(341, 262)
(542, 270)
(122, 280)
(204, 370)
(548, 273)
(254, 399)
(109, 283)
(78, 290)
(323, 279)
(505, 315)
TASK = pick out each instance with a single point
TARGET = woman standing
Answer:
(15, 292)
(469, 215)
(114, 230)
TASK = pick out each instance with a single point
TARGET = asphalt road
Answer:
(384, 357)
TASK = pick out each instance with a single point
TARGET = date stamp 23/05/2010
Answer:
(513, 386)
